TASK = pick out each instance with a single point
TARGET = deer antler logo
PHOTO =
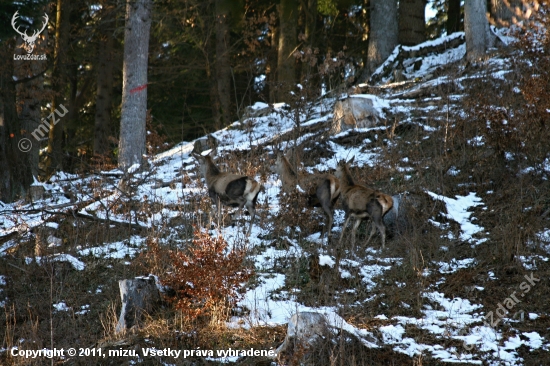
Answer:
(29, 40)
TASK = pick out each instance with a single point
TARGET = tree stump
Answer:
(305, 330)
(354, 112)
(139, 296)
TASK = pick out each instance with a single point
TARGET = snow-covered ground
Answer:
(445, 318)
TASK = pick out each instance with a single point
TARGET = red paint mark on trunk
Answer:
(138, 89)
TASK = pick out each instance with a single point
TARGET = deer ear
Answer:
(350, 161)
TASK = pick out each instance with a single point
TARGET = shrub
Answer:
(205, 277)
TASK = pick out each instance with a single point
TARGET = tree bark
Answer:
(383, 33)
(310, 76)
(29, 95)
(288, 37)
(453, 16)
(412, 22)
(311, 13)
(476, 28)
(139, 296)
(15, 169)
(271, 68)
(55, 141)
(104, 92)
(223, 67)
(134, 88)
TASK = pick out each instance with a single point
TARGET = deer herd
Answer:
(321, 190)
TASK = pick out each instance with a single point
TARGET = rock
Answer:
(259, 109)
(36, 192)
(352, 113)
(305, 330)
(139, 296)
(397, 219)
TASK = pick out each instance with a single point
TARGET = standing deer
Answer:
(229, 189)
(361, 202)
(322, 190)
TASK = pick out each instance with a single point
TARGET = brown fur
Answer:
(361, 202)
(321, 189)
(229, 189)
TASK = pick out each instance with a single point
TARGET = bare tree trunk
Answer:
(383, 33)
(30, 94)
(311, 13)
(55, 142)
(223, 67)
(104, 92)
(310, 76)
(213, 89)
(476, 27)
(412, 22)
(288, 37)
(453, 16)
(134, 88)
(15, 170)
(271, 69)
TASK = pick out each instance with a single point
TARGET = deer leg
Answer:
(329, 226)
(353, 231)
(344, 229)
(250, 207)
(382, 229)
(219, 209)
(323, 195)
(372, 231)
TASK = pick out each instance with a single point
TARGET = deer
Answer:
(322, 190)
(361, 202)
(29, 40)
(229, 189)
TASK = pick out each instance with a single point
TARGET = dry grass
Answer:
(514, 204)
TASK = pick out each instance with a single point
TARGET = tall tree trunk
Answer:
(271, 68)
(104, 82)
(310, 76)
(55, 142)
(134, 87)
(383, 33)
(210, 70)
(476, 28)
(412, 22)
(311, 13)
(223, 67)
(453, 16)
(15, 168)
(288, 39)
(29, 94)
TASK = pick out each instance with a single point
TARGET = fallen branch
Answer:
(109, 222)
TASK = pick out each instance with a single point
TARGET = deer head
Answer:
(29, 40)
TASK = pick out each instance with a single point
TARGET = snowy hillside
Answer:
(432, 296)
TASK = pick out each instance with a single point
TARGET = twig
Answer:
(105, 221)
(13, 265)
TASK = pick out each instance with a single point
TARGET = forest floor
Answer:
(463, 277)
